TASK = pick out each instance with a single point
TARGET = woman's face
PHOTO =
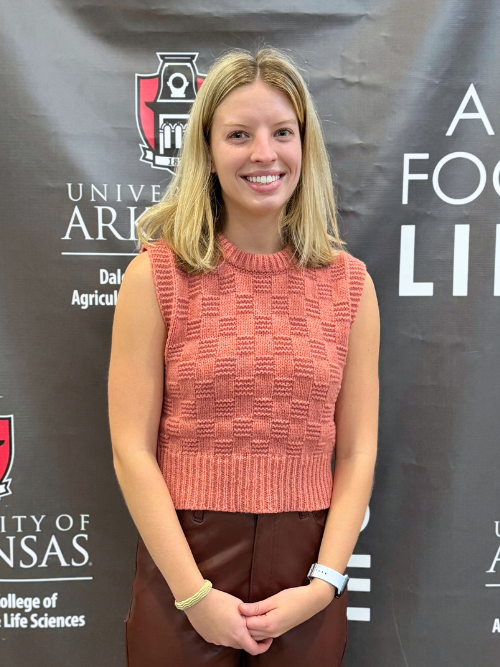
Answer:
(255, 133)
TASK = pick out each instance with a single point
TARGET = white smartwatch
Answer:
(331, 576)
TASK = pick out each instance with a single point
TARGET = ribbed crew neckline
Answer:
(249, 261)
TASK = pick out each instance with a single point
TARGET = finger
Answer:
(257, 623)
(265, 644)
(259, 636)
(254, 648)
(256, 608)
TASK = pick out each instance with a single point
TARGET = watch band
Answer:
(331, 576)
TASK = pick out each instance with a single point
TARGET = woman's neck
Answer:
(260, 236)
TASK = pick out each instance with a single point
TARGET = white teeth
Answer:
(262, 179)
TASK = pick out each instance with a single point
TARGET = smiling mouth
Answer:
(263, 180)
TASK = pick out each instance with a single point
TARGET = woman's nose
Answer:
(263, 149)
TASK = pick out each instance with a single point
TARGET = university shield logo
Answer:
(162, 104)
(6, 453)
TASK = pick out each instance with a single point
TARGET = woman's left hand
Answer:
(290, 607)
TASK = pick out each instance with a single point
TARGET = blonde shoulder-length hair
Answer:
(188, 214)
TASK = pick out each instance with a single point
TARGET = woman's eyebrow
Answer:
(280, 122)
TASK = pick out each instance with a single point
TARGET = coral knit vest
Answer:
(254, 358)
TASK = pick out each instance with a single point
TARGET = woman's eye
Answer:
(237, 134)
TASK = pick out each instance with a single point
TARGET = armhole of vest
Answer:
(356, 274)
(160, 257)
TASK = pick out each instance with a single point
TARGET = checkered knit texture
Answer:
(254, 359)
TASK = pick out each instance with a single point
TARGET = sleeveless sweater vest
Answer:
(254, 358)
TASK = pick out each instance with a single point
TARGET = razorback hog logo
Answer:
(6, 454)
(162, 104)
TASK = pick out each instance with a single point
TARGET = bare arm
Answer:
(135, 397)
(356, 419)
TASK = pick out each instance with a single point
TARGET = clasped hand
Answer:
(225, 620)
(281, 612)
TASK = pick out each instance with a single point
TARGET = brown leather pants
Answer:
(250, 556)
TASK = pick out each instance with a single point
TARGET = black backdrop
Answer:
(403, 89)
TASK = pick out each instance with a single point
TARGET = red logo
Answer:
(6, 453)
(162, 104)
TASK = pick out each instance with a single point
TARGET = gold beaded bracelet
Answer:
(189, 602)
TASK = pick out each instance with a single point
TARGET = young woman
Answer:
(244, 349)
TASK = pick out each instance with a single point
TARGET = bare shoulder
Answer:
(138, 272)
(137, 281)
(367, 320)
(369, 294)
(137, 301)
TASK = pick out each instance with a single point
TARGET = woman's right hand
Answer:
(218, 620)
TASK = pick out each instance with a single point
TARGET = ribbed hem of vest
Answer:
(256, 484)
